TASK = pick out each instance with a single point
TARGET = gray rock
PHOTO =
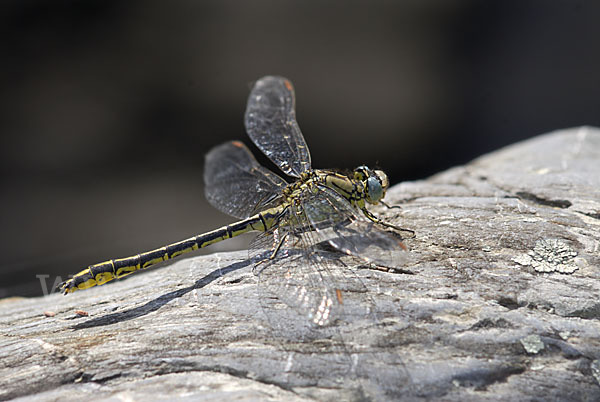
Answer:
(499, 300)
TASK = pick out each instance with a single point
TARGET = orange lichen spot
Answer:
(237, 144)
(288, 85)
(338, 294)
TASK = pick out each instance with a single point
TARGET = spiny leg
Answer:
(376, 219)
(275, 251)
(388, 206)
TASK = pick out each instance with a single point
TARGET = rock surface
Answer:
(500, 300)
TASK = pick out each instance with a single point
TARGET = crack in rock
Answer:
(524, 195)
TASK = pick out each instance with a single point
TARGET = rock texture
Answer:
(499, 300)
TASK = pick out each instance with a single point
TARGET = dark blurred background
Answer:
(107, 107)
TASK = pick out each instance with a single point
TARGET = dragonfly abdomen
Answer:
(99, 274)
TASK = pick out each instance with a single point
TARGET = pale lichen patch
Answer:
(550, 255)
(533, 344)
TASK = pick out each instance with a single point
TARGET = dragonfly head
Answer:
(375, 181)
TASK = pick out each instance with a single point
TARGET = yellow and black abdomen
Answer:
(99, 274)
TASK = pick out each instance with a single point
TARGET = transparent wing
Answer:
(308, 301)
(271, 124)
(301, 283)
(349, 231)
(291, 269)
(236, 183)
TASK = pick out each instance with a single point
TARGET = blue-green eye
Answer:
(374, 189)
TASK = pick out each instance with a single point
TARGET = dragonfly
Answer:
(295, 219)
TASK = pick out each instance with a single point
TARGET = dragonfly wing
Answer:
(271, 124)
(292, 269)
(349, 231)
(318, 286)
(310, 299)
(236, 183)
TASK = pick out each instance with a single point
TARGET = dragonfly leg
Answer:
(274, 253)
(376, 219)
(388, 206)
(276, 250)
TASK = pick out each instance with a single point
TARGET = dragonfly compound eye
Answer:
(374, 189)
